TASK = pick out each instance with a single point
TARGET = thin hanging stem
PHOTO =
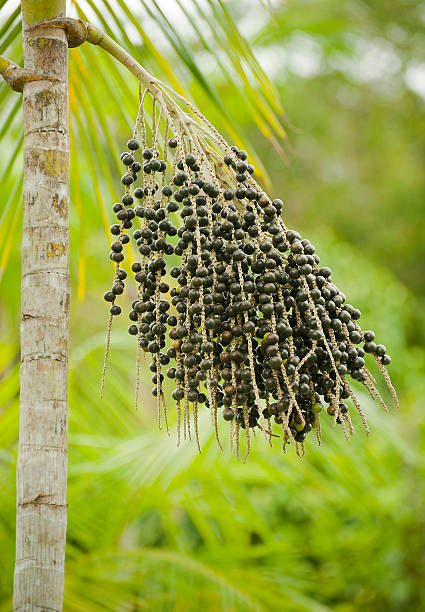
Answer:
(105, 360)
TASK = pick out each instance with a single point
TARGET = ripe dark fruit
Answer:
(127, 199)
(241, 314)
(109, 296)
(127, 160)
(132, 144)
(127, 179)
(115, 310)
(228, 414)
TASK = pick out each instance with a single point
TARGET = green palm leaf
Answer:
(100, 136)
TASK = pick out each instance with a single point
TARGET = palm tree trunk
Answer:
(45, 295)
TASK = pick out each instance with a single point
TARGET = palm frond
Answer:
(97, 128)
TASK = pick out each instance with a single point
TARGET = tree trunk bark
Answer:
(45, 296)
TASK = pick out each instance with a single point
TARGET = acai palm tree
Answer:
(47, 34)
(259, 333)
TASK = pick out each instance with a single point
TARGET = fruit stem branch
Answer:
(98, 37)
(6, 65)
(79, 31)
(16, 77)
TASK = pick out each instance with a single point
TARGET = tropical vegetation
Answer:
(330, 97)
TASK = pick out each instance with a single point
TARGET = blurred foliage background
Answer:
(329, 95)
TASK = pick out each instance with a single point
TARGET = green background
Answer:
(155, 527)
